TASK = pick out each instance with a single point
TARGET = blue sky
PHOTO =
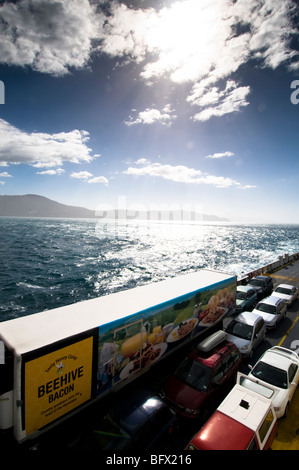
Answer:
(153, 104)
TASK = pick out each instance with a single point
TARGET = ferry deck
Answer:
(288, 428)
(287, 335)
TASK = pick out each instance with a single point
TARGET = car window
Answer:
(271, 374)
(225, 365)
(235, 355)
(239, 329)
(266, 425)
(256, 282)
(219, 372)
(250, 293)
(267, 308)
(282, 290)
(292, 372)
(240, 295)
(252, 445)
(259, 326)
(194, 374)
(280, 307)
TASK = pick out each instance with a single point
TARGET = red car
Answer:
(204, 377)
(245, 420)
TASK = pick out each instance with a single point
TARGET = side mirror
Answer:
(250, 367)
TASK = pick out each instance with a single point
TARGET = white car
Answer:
(286, 292)
(272, 309)
(278, 367)
(246, 331)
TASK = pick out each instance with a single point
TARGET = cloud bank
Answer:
(198, 43)
(181, 174)
(42, 149)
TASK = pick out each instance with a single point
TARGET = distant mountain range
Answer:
(33, 205)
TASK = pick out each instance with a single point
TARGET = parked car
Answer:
(246, 298)
(286, 292)
(246, 331)
(263, 285)
(139, 421)
(272, 309)
(279, 367)
(203, 377)
(245, 420)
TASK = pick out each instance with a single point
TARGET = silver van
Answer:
(246, 331)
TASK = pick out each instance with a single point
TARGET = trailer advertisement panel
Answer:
(135, 343)
(57, 382)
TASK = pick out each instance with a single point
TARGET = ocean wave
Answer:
(50, 264)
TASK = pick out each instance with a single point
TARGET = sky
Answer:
(153, 104)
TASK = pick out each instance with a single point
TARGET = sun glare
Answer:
(187, 37)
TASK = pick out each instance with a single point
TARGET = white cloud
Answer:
(216, 102)
(42, 149)
(151, 116)
(51, 36)
(85, 175)
(81, 175)
(59, 171)
(220, 155)
(182, 174)
(142, 161)
(98, 179)
(248, 186)
(4, 175)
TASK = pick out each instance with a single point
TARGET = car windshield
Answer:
(257, 282)
(241, 330)
(283, 290)
(267, 308)
(194, 374)
(270, 374)
(240, 295)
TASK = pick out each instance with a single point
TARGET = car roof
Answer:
(210, 358)
(277, 358)
(136, 411)
(214, 435)
(249, 318)
(244, 288)
(245, 406)
(285, 286)
(271, 300)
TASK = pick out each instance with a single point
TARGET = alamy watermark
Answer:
(295, 94)
(116, 221)
(2, 92)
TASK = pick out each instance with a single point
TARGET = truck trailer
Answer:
(55, 362)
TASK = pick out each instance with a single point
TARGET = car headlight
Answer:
(245, 347)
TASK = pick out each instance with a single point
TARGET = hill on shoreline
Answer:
(33, 205)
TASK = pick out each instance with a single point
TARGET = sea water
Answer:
(47, 263)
